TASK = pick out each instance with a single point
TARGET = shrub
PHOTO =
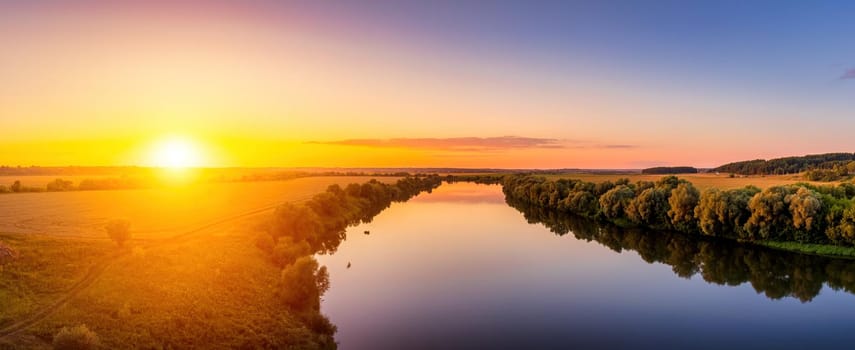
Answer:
(119, 231)
(75, 338)
(265, 242)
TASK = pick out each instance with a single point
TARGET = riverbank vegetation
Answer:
(205, 286)
(774, 273)
(799, 213)
(296, 232)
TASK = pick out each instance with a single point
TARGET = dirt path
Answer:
(98, 268)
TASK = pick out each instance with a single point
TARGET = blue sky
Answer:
(672, 82)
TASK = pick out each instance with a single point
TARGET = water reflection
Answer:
(776, 274)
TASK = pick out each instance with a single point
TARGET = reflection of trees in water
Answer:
(777, 274)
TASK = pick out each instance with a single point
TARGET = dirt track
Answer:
(98, 268)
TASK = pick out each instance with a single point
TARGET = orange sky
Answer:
(269, 85)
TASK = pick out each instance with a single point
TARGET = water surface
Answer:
(459, 268)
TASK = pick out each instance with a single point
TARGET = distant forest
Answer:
(790, 165)
(670, 170)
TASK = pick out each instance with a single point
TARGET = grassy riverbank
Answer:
(827, 250)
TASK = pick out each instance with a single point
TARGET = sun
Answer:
(176, 153)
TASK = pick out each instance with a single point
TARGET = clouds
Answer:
(453, 143)
(849, 74)
(472, 143)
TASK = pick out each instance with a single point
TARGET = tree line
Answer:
(774, 273)
(140, 182)
(296, 232)
(664, 170)
(790, 165)
(799, 213)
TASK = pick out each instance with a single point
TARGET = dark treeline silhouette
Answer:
(296, 232)
(777, 274)
(96, 184)
(789, 165)
(670, 170)
(479, 179)
(792, 213)
(288, 175)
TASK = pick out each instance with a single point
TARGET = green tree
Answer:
(650, 207)
(805, 207)
(582, 203)
(613, 203)
(682, 202)
(724, 213)
(770, 214)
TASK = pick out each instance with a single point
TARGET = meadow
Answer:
(153, 212)
(192, 271)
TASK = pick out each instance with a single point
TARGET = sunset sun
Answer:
(176, 153)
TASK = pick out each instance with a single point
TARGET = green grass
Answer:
(811, 248)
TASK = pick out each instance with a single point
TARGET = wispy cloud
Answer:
(473, 144)
(849, 74)
(453, 143)
(615, 146)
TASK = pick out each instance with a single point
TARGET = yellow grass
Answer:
(155, 212)
(213, 284)
(701, 181)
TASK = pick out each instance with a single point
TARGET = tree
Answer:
(650, 207)
(60, 185)
(724, 213)
(119, 230)
(614, 202)
(76, 338)
(805, 206)
(16, 186)
(684, 198)
(287, 251)
(582, 203)
(841, 226)
(302, 284)
(770, 214)
(296, 221)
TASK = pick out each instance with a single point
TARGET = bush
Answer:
(75, 338)
(119, 231)
(265, 242)
(287, 251)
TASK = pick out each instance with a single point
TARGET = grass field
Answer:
(701, 181)
(155, 212)
(161, 292)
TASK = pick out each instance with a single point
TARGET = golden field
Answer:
(154, 212)
(192, 270)
(702, 180)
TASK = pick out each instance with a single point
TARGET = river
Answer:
(461, 269)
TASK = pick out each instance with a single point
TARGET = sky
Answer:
(501, 84)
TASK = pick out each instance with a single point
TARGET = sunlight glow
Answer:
(176, 153)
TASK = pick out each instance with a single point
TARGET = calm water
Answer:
(460, 268)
